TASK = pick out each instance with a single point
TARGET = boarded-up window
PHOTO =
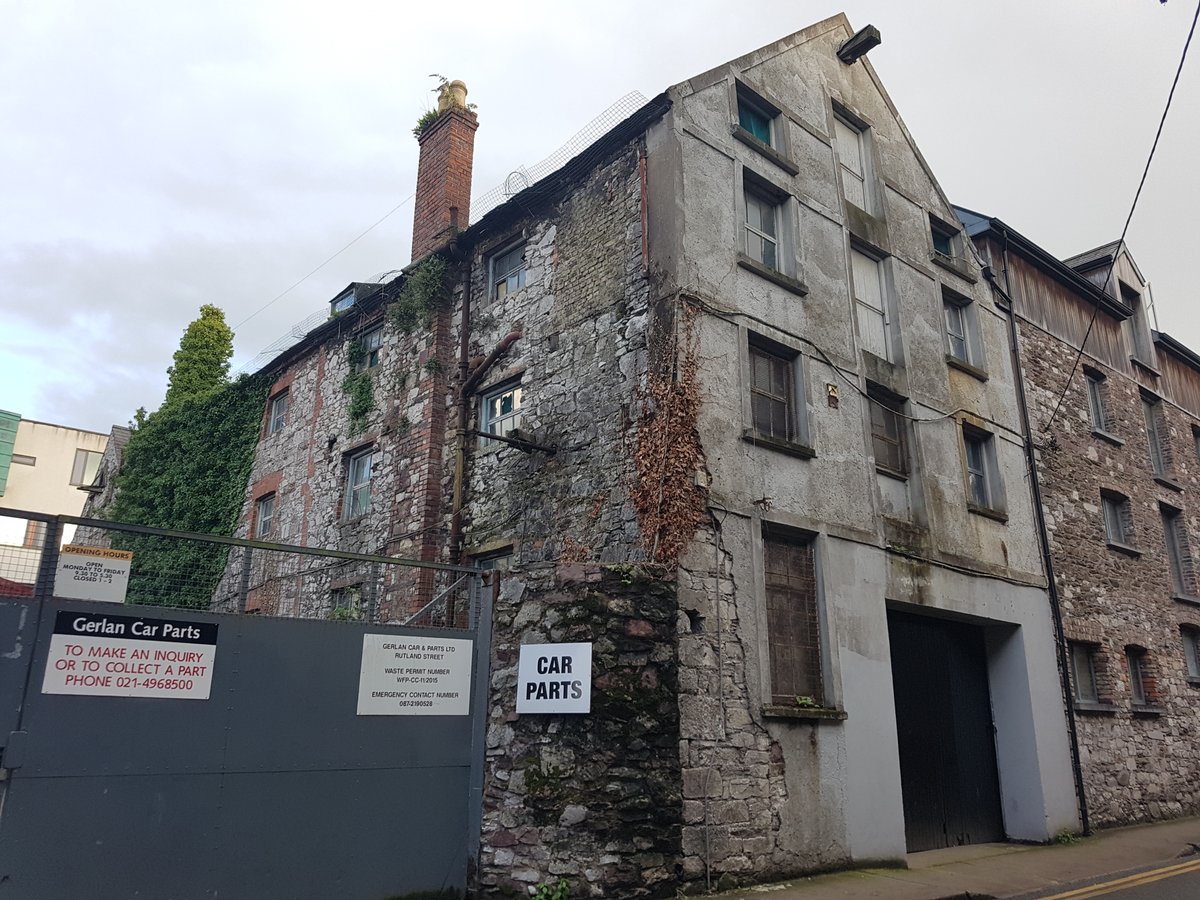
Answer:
(851, 160)
(792, 620)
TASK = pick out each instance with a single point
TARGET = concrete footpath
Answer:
(998, 870)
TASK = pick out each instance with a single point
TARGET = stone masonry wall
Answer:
(592, 799)
(1138, 764)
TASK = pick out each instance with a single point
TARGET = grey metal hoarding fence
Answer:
(276, 779)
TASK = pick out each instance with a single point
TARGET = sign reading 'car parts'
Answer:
(130, 656)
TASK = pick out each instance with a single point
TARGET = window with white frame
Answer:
(1097, 396)
(1179, 556)
(87, 462)
(984, 490)
(774, 375)
(762, 227)
(889, 431)
(1191, 651)
(277, 417)
(963, 343)
(264, 516)
(852, 162)
(870, 303)
(1083, 672)
(1118, 518)
(507, 272)
(793, 619)
(358, 484)
(500, 412)
(369, 345)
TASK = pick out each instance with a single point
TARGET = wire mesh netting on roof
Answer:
(522, 177)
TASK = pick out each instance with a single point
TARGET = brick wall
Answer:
(443, 196)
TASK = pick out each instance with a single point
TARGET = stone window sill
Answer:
(812, 713)
(1124, 548)
(1149, 712)
(891, 473)
(963, 366)
(1194, 681)
(787, 282)
(1095, 709)
(1186, 598)
(1106, 436)
(765, 150)
(988, 513)
(791, 448)
(1169, 483)
(952, 264)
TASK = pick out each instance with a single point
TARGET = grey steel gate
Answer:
(272, 787)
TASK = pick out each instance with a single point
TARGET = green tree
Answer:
(202, 360)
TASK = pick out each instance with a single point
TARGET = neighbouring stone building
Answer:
(1115, 411)
(731, 395)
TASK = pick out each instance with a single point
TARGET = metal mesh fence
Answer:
(176, 569)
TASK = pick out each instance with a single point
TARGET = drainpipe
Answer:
(1043, 541)
(469, 383)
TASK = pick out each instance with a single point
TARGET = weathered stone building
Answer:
(742, 342)
(1115, 410)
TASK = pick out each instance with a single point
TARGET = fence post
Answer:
(483, 601)
(373, 593)
(44, 588)
(244, 582)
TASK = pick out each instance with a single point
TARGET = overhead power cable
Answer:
(291, 288)
(1129, 218)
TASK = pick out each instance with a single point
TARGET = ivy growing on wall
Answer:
(186, 468)
(422, 294)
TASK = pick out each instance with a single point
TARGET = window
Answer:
(983, 473)
(1178, 555)
(945, 241)
(345, 602)
(278, 415)
(1155, 434)
(1139, 686)
(86, 464)
(500, 412)
(755, 118)
(851, 153)
(368, 346)
(761, 229)
(507, 272)
(1195, 442)
(21, 459)
(1083, 672)
(870, 304)
(496, 561)
(1191, 651)
(1138, 329)
(793, 622)
(773, 394)
(1118, 518)
(264, 516)
(342, 301)
(358, 484)
(956, 330)
(888, 430)
(1097, 405)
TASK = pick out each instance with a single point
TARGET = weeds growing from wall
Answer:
(421, 295)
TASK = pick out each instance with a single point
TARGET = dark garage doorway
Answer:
(946, 737)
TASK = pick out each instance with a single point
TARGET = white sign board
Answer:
(130, 656)
(554, 678)
(92, 573)
(410, 676)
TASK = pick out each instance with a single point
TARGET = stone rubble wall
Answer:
(1137, 766)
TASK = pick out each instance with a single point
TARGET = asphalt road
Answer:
(1178, 880)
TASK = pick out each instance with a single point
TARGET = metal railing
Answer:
(237, 576)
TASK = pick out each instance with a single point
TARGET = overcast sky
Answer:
(157, 155)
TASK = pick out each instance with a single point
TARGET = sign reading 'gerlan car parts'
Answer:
(130, 656)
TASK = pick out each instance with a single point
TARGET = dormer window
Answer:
(342, 301)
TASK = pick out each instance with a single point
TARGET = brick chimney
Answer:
(443, 202)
